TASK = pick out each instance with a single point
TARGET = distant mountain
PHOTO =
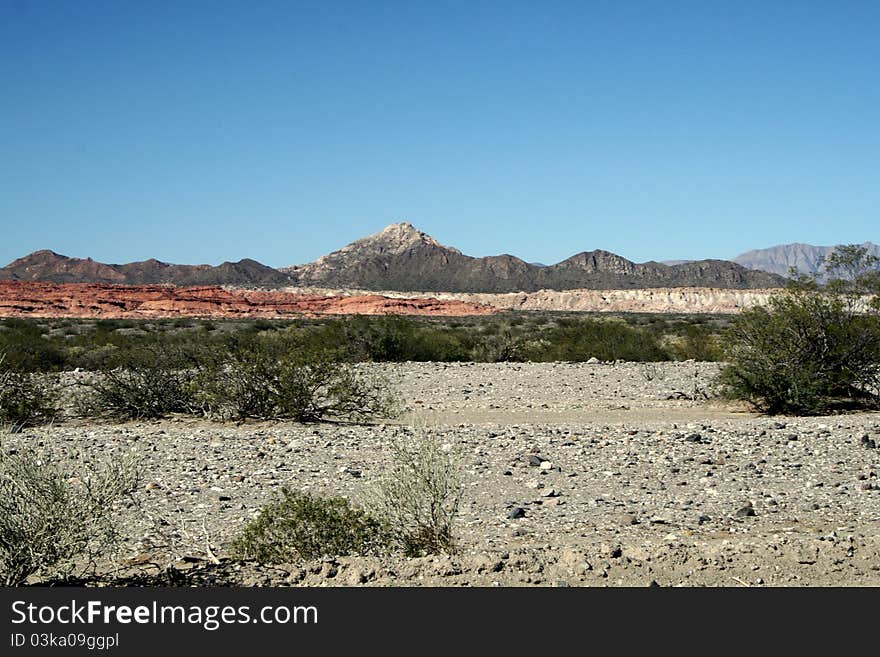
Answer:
(805, 258)
(50, 266)
(401, 257)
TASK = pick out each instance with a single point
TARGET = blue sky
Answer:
(211, 131)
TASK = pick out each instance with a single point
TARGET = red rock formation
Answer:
(38, 299)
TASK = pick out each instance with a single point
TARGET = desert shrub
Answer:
(697, 342)
(29, 348)
(26, 399)
(606, 339)
(298, 526)
(418, 496)
(813, 349)
(392, 338)
(139, 393)
(151, 384)
(300, 386)
(50, 517)
(502, 346)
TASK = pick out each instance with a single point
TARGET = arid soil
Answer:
(36, 299)
(644, 481)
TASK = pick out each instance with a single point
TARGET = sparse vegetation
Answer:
(412, 508)
(606, 339)
(25, 399)
(300, 526)
(296, 385)
(419, 495)
(105, 345)
(147, 389)
(814, 349)
(50, 518)
(697, 342)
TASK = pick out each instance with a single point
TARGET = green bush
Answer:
(151, 384)
(502, 346)
(25, 399)
(813, 349)
(50, 517)
(28, 347)
(697, 342)
(605, 339)
(419, 495)
(297, 526)
(297, 386)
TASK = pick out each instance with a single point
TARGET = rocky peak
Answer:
(43, 255)
(392, 240)
(598, 261)
(401, 237)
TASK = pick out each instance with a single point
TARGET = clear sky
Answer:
(209, 131)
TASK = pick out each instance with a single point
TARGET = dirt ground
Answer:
(650, 482)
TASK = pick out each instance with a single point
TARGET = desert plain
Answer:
(574, 474)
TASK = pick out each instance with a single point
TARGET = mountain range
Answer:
(803, 258)
(49, 266)
(403, 258)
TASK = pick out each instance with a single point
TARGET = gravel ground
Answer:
(644, 481)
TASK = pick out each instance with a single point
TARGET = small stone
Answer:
(593, 361)
(617, 552)
(551, 492)
(628, 519)
(535, 460)
(516, 513)
(534, 483)
(546, 465)
(746, 512)
(694, 438)
(701, 518)
(868, 442)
